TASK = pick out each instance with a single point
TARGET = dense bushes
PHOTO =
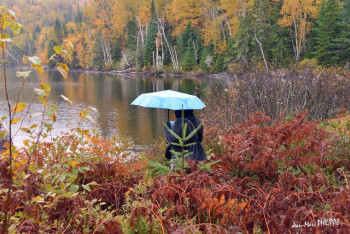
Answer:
(291, 90)
(269, 177)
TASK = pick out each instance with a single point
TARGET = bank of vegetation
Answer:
(204, 36)
(263, 174)
(278, 162)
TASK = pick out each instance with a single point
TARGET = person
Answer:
(192, 123)
(2, 141)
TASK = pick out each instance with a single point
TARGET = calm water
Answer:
(111, 95)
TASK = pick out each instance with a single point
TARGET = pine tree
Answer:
(150, 48)
(117, 51)
(326, 30)
(59, 33)
(189, 59)
(219, 64)
(131, 35)
(280, 46)
(184, 38)
(341, 44)
(79, 16)
(243, 41)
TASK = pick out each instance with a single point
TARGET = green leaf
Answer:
(62, 177)
(172, 132)
(193, 132)
(47, 125)
(3, 134)
(75, 171)
(58, 49)
(93, 183)
(38, 199)
(86, 187)
(18, 107)
(74, 188)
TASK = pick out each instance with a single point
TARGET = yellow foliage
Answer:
(295, 15)
(232, 10)
(180, 12)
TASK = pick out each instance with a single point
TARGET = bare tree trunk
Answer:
(161, 41)
(126, 59)
(153, 59)
(262, 51)
(297, 46)
(103, 50)
(171, 49)
(90, 47)
(141, 32)
(157, 50)
(228, 23)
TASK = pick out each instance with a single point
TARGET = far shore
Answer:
(134, 72)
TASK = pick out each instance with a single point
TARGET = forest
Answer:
(277, 140)
(186, 35)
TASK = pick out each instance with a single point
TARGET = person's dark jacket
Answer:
(192, 123)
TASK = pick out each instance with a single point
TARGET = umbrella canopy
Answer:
(169, 99)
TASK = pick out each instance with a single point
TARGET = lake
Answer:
(111, 95)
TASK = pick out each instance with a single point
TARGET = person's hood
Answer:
(178, 113)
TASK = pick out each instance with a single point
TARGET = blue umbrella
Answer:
(169, 99)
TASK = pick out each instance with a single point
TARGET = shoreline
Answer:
(151, 73)
(133, 72)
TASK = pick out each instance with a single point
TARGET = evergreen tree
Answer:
(117, 51)
(59, 33)
(150, 48)
(326, 30)
(280, 47)
(341, 44)
(98, 52)
(189, 59)
(219, 64)
(131, 35)
(243, 41)
(184, 38)
(79, 17)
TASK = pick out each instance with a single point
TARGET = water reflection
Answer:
(111, 95)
